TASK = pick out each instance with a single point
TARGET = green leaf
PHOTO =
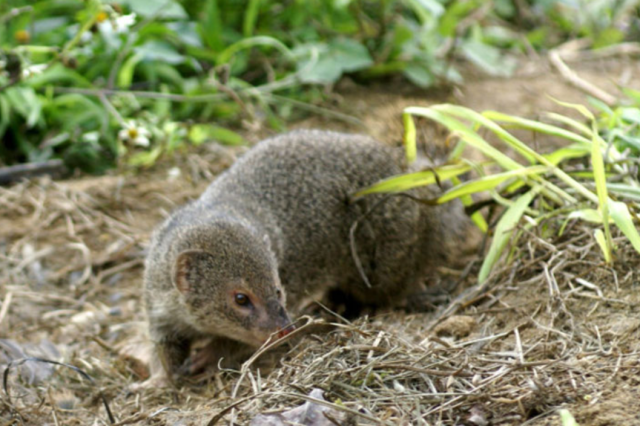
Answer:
(159, 51)
(602, 243)
(125, 75)
(578, 107)
(163, 9)
(487, 183)
(409, 138)
(622, 218)
(566, 418)
(465, 133)
(588, 215)
(624, 190)
(335, 58)
(488, 58)
(600, 178)
(211, 26)
(419, 74)
(145, 159)
(607, 37)
(432, 6)
(504, 230)
(201, 133)
(250, 17)
(537, 126)
(572, 151)
(250, 42)
(5, 113)
(412, 180)
(59, 74)
(25, 102)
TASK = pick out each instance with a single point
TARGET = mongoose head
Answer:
(228, 283)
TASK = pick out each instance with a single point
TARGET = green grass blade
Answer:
(508, 138)
(578, 107)
(504, 230)
(247, 43)
(409, 138)
(600, 178)
(464, 132)
(477, 218)
(411, 180)
(439, 113)
(569, 152)
(543, 128)
(566, 418)
(602, 243)
(622, 218)
(588, 215)
(250, 17)
(487, 183)
(624, 190)
(585, 130)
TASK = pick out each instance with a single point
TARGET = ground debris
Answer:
(310, 414)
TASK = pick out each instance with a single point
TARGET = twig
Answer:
(5, 306)
(15, 173)
(19, 362)
(573, 79)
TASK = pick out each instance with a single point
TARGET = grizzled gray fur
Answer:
(273, 230)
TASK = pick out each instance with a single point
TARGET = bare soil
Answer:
(557, 329)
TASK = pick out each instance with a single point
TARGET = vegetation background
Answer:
(97, 83)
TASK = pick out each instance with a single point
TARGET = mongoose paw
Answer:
(159, 380)
(203, 358)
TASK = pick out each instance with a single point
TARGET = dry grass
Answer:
(557, 328)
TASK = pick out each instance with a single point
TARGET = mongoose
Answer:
(274, 229)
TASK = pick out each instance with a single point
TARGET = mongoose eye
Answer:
(242, 299)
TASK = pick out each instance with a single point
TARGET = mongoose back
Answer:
(274, 229)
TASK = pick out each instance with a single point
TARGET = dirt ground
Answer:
(558, 329)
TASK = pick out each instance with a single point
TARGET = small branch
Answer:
(12, 174)
(573, 79)
(15, 12)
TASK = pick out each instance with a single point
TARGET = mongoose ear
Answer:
(185, 269)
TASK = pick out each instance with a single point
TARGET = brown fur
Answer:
(276, 227)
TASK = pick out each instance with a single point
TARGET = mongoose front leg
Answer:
(172, 353)
(219, 352)
(169, 354)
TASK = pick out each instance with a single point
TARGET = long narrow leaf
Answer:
(247, 43)
(543, 128)
(504, 230)
(505, 136)
(412, 180)
(622, 218)
(602, 243)
(464, 132)
(600, 178)
(487, 183)
(409, 138)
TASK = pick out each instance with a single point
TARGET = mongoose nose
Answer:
(286, 331)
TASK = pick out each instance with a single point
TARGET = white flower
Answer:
(86, 36)
(33, 70)
(119, 25)
(93, 137)
(134, 134)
